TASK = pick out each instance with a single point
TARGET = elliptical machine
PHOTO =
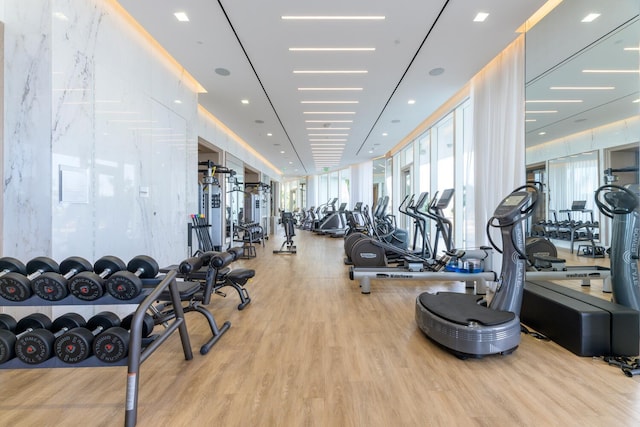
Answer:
(462, 323)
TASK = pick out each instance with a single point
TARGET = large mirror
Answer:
(583, 100)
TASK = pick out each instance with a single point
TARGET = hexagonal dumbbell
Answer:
(112, 345)
(89, 285)
(52, 286)
(76, 345)
(26, 324)
(126, 285)
(15, 286)
(37, 346)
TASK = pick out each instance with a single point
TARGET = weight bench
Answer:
(190, 293)
(210, 268)
(202, 276)
(584, 324)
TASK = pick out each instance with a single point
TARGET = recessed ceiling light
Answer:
(61, 16)
(330, 71)
(269, 134)
(328, 134)
(177, 101)
(327, 139)
(222, 71)
(326, 145)
(331, 18)
(181, 16)
(370, 151)
(329, 88)
(385, 134)
(481, 17)
(590, 17)
(245, 101)
(632, 48)
(332, 49)
(395, 121)
(541, 111)
(259, 121)
(635, 101)
(530, 120)
(411, 101)
(281, 151)
(542, 133)
(436, 71)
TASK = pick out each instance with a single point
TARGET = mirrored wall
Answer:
(583, 98)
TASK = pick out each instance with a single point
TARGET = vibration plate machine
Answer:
(461, 322)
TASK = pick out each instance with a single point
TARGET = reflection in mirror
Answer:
(582, 98)
(235, 196)
(379, 188)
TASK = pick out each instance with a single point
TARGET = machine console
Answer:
(512, 205)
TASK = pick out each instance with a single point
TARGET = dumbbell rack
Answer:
(137, 352)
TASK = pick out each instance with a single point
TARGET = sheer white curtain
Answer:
(497, 93)
(362, 184)
(571, 179)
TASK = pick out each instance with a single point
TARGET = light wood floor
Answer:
(311, 350)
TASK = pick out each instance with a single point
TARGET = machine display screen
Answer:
(513, 200)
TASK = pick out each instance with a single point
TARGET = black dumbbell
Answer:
(112, 345)
(26, 324)
(37, 346)
(76, 345)
(126, 285)
(52, 286)
(11, 265)
(89, 285)
(7, 322)
(15, 286)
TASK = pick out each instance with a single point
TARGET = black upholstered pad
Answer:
(241, 273)
(463, 308)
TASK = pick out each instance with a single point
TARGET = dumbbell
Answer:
(89, 285)
(27, 324)
(15, 286)
(52, 286)
(76, 345)
(7, 322)
(37, 346)
(11, 265)
(112, 345)
(126, 285)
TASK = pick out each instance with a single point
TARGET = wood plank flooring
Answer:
(311, 350)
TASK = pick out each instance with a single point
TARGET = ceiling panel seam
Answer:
(403, 76)
(261, 85)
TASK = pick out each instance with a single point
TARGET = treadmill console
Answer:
(512, 205)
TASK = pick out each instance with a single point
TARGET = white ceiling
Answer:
(251, 40)
(561, 46)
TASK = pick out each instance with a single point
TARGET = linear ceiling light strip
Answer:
(261, 85)
(403, 75)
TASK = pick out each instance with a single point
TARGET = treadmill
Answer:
(462, 323)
